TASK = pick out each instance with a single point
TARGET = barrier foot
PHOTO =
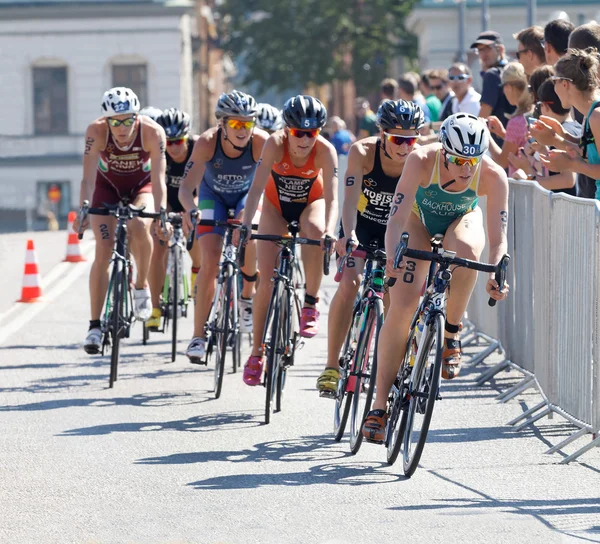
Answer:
(581, 451)
(515, 390)
(484, 354)
(568, 440)
(489, 374)
(529, 412)
(534, 419)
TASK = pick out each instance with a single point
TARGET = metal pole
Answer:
(531, 12)
(485, 15)
(462, 20)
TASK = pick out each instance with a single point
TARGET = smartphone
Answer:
(531, 121)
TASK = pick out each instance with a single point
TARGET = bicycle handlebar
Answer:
(362, 252)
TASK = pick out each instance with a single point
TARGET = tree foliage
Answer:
(293, 43)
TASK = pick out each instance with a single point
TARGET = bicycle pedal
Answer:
(328, 395)
(373, 441)
(198, 361)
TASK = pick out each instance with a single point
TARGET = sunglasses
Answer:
(118, 122)
(459, 77)
(554, 79)
(299, 133)
(236, 124)
(177, 141)
(539, 104)
(398, 139)
(461, 161)
(519, 53)
(436, 87)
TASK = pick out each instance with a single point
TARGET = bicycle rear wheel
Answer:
(345, 388)
(116, 319)
(424, 388)
(220, 336)
(365, 371)
(272, 363)
(397, 416)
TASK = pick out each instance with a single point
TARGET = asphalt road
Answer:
(158, 460)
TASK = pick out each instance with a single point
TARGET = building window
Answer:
(133, 76)
(50, 100)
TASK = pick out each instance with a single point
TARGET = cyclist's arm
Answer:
(495, 188)
(270, 154)
(194, 171)
(91, 155)
(401, 207)
(329, 162)
(352, 187)
(155, 134)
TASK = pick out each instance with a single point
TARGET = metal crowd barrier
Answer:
(549, 327)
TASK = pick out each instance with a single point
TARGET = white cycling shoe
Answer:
(196, 351)
(142, 305)
(93, 342)
(245, 315)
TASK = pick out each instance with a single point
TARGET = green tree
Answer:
(293, 43)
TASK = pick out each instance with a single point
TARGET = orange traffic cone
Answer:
(73, 248)
(32, 289)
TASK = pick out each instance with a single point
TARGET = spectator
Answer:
(461, 82)
(438, 81)
(577, 84)
(407, 90)
(339, 136)
(582, 37)
(556, 39)
(514, 83)
(491, 52)
(367, 121)
(528, 159)
(432, 101)
(537, 77)
(530, 48)
(388, 89)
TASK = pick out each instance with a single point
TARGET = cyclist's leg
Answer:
(156, 277)
(249, 269)
(195, 256)
(271, 222)
(141, 240)
(339, 320)
(104, 232)
(211, 246)
(404, 299)
(466, 236)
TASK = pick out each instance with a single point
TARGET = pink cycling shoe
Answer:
(253, 370)
(309, 322)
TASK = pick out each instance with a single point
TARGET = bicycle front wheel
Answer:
(174, 295)
(272, 355)
(116, 319)
(285, 348)
(423, 391)
(365, 372)
(220, 336)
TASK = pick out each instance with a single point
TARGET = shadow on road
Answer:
(228, 421)
(144, 399)
(538, 509)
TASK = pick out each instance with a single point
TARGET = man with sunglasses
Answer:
(438, 193)
(530, 48)
(180, 145)
(120, 148)
(466, 99)
(298, 175)
(374, 167)
(438, 83)
(223, 163)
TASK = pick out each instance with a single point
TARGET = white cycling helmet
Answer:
(464, 135)
(119, 101)
(150, 111)
(269, 118)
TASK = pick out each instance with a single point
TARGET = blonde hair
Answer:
(514, 74)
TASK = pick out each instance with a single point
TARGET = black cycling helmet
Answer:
(269, 118)
(236, 104)
(400, 114)
(175, 122)
(304, 112)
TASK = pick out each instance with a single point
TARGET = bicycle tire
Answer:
(271, 378)
(425, 375)
(369, 334)
(220, 337)
(115, 322)
(343, 400)
(234, 318)
(397, 419)
(284, 337)
(174, 300)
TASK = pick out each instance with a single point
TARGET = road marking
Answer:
(34, 308)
